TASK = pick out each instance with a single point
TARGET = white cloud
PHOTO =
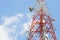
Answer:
(25, 28)
(20, 15)
(3, 34)
(9, 27)
(26, 25)
(14, 27)
(11, 19)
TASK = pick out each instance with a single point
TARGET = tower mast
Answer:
(41, 27)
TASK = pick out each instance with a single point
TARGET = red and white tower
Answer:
(41, 26)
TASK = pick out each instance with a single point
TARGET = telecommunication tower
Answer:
(42, 24)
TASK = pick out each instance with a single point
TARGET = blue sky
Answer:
(16, 12)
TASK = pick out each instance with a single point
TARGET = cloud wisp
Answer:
(13, 26)
(10, 27)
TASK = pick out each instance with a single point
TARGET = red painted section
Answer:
(39, 29)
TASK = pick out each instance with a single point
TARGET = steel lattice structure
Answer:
(41, 27)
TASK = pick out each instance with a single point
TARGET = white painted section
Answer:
(43, 21)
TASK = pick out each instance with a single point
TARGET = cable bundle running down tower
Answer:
(41, 27)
